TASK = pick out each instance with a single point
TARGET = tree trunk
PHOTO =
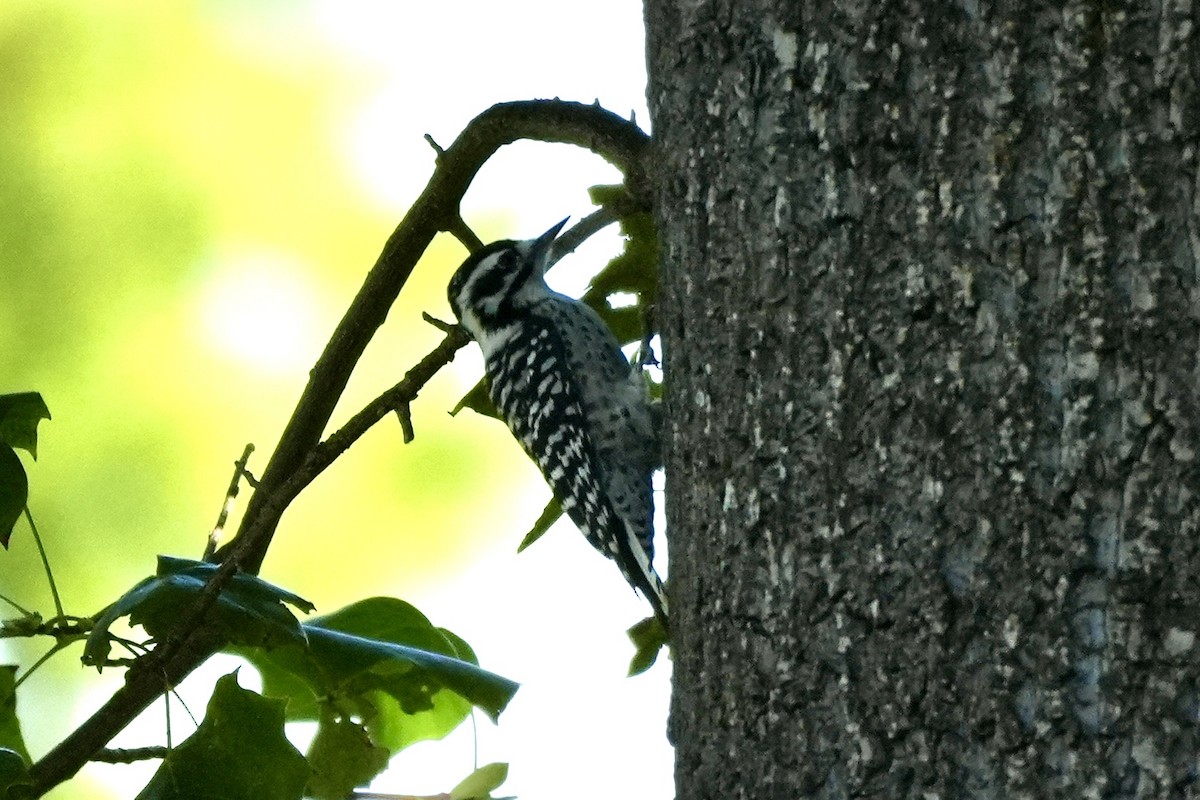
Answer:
(931, 316)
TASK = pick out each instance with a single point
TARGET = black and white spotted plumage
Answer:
(558, 377)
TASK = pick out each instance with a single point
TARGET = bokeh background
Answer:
(190, 194)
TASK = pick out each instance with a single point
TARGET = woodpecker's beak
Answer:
(544, 244)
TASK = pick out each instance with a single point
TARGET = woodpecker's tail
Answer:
(646, 580)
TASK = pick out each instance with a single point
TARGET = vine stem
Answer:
(49, 654)
(37, 538)
(21, 609)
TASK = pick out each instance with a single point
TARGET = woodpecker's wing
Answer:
(534, 387)
(616, 410)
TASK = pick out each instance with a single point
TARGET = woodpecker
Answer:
(579, 409)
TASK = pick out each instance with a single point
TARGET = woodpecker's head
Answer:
(500, 278)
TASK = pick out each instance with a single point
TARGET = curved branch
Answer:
(437, 209)
(592, 127)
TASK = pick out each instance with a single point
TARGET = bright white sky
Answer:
(577, 728)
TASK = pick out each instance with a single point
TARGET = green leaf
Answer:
(386, 619)
(393, 724)
(357, 664)
(550, 515)
(648, 637)
(481, 783)
(14, 492)
(380, 660)
(607, 193)
(624, 322)
(633, 271)
(278, 681)
(10, 727)
(248, 611)
(19, 417)
(239, 752)
(394, 728)
(342, 756)
(461, 649)
(14, 772)
(635, 268)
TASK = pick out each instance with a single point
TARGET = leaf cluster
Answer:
(376, 677)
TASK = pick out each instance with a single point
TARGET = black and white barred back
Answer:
(559, 379)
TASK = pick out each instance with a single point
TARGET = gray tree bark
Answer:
(931, 317)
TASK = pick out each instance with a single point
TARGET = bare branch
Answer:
(581, 231)
(404, 414)
(437, 148)
(459, 230)
(444, 327)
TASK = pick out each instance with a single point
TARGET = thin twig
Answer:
(404, 414)
(130, 755)
(60, 645)
(466, 237)
(37, 538)
(167, 716)
(444, 327)
(437, 148)
(188, 711)
(26, 612)
(581, 231)
(64, 628)
(136, 648)
(235, 483)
